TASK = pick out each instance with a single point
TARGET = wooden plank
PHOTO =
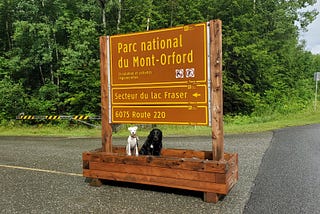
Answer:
(97, 156)
(231, 173)
(119, 149)
(106, 129)
(154, 171)
(180, 153)
(183, 153)
(91, 156)
(216, 89)
(232, 170)
(176, 163)
(158, 181)
(85, 164)
(170, 153)
(232, 179)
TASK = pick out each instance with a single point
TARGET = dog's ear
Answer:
(133, 128)
(160, 134)
(150, 136)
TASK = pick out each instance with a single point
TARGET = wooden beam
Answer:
(158, 181)
(166, 162)
(106, 129)
(95, 182)
(216, 89)
(132, 169)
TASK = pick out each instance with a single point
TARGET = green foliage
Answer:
(12, 99)
(49, 51)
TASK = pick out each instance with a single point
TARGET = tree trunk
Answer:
(119, 17)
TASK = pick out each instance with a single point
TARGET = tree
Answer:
(12, 99)
(49, 49)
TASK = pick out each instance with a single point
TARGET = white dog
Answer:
(133, 139)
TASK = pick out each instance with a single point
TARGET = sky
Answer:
(312, 36)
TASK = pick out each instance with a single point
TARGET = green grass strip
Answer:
(232, 125)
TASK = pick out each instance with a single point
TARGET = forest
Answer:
(49, 51)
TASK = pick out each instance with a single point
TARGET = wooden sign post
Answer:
(216, 89)
(106, 129)
(212, 172)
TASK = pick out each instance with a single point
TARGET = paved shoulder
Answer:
(289, 178)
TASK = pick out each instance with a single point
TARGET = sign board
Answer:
(170, 76)
(162, 71)
(160, 95)
(179, 114)
(317, 76)
(173, 55)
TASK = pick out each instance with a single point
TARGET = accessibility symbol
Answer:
(190, 72)
(179, 73)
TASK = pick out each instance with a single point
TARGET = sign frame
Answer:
(198, 93)
(215, 90)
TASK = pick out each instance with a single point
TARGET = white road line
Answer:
(41, 170)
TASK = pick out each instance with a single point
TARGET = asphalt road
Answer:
(289, 177)
(44, 175)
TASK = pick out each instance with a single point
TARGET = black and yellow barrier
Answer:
(53, 117)
(56, 117)
(81, 117)
(26, 117)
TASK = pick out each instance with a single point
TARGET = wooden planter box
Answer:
(176, 168)
(213, 173)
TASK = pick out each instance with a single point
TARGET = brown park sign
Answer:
(162, 71)
(173, 55)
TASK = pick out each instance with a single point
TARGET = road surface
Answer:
(289, 177)
(44, 175)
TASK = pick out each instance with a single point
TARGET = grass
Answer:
(48, 130)
(232, 125)
(273, 122)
